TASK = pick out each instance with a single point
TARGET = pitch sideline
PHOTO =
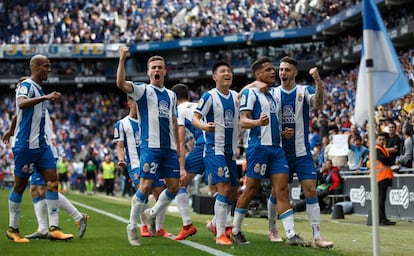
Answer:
(195, 245)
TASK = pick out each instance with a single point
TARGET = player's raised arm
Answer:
(318, 98)
(120, 72)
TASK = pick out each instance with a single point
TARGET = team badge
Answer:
(220, 172)
(257, 168)
(146, 167)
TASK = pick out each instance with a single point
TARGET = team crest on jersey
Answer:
(220, 172)
(23, 90)
(300, 97)
(200, 102)
(243, 100)
(146, 167)
(257, 168)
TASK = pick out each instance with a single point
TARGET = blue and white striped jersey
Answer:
(257, 102)
(223, 110)
(295, 106)
(156, 108)
(127, 131)
(30, 126)
(185, 112)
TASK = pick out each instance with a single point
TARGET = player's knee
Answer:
(145, 189)
(53, 185)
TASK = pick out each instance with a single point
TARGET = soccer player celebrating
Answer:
(219, 108)
(295, 102)
(159, 133)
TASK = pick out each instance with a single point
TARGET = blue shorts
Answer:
(26, 159)
(222, 169)
(36, 179)
(159, 164)
(194, 162)
(303, 167)
(134, 176)
(263, 161)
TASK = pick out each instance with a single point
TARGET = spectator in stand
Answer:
(313, 136)
(331, 183)
(406, 157)
(357, 154)
(337, 160)
(393, 141)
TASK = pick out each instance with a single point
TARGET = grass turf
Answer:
(106, 234)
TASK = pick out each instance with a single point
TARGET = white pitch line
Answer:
(195, 245)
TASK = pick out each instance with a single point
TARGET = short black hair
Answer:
(258, 64)
(181, 90)
(218, 64)
(289, 60)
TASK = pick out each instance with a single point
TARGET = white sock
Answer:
(183, 205)
(163, 201)
(220, 210)
(14, 214)
(159, 221)
(133, 215)
(288, 224)
(15, 200)
(40, 208)
(52, 207)
(140, 204)
(68, 207)
(239, 215)
(314, 215)
(271, 214)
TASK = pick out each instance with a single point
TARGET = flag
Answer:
(388, 80)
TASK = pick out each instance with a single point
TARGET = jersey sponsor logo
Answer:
(163, 109)
(220, 172)
(228, 119)
(288, 115)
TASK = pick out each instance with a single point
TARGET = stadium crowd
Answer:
(109, 21)
(86, 120)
